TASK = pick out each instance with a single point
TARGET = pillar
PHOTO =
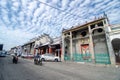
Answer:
(71, 43)
(38, 50)
(63, 48)
(110, 49)
(60, 52)
(34, 51)
(50, 49)
(91, 45)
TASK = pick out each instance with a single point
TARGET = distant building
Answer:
(28, 48)
(88, 43)
(13, 50)
(56, 46)
(46, 44)
(42, 44)
(16, 49)
(1, 47)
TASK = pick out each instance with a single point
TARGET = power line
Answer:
(50, 6)
(59, 9)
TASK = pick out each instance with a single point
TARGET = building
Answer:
(46, 44)
(114, 33)
(88, 43)
(56, 46)
(1, 47)
(13, 50)
(42, 44)
(28, 48)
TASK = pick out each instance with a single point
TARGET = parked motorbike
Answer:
(15, 59)
(37, 61)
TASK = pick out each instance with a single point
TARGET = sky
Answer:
(22, 20)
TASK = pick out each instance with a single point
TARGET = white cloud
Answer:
(34, 17)
(31, 8)
(74, 3)
(65, 4)
(14, 37)
(39, 11)
(85, 3)
(32, 5)
(24, 3)
(3, 3)
(6, 19)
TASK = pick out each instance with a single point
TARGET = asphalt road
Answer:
(26, 70)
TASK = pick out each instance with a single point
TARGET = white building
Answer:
(114, 33)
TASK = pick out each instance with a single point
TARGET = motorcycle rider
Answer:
(15, 58)
(37, 59)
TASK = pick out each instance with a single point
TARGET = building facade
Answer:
(16, 49)
(28, 48)
(88, 43)
(46, 44)
(42, 44)
(114, 33)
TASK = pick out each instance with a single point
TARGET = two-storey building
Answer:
(88, 43)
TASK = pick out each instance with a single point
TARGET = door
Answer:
(85, 52)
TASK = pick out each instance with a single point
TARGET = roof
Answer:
(28, 43)
(80, 26)
(56, 41)
(115, 27)
(45, 44)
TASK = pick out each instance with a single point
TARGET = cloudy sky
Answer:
(21, 20)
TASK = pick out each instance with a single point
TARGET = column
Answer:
(63, 48)
(38, 50)
(60, 52)
(34, 51)
(46, 50)
(91, 44)
(71, 50)
(110, 49)
(50, 49)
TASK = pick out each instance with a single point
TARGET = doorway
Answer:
(116, 48)
(85, 52)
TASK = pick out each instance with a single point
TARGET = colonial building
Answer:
(13, 50)
(88, 43)
(114, 33)
(56, 46)
(46, 44)
(28, 48)
(17, 50)
(42, 44)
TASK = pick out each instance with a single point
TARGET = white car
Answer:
(27, 55)
(50, 57)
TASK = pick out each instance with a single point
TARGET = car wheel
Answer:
(56, 60)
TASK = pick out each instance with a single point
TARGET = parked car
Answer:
(2, 54)
(50, 57)
(12, 54)
(27, 55)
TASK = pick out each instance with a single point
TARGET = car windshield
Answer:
(48, 54)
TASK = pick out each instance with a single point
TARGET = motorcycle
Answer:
(15, 59)
(38, 61)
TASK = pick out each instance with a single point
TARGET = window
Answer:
(100, 24)
(84, 33)
(100, 30)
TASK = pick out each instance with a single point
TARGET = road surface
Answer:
(26, 70)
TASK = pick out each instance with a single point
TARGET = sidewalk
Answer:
(79, 63)
(92, 64)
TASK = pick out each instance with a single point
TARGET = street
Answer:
(26, 70)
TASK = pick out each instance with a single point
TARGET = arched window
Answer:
(100, 30)
(84, 33)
